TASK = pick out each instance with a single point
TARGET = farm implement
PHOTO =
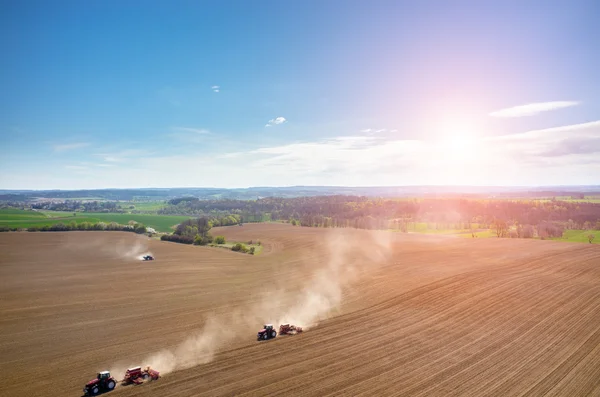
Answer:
(289, 329)
(137, 375)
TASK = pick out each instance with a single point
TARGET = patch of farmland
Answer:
(161, 223)
(392, 314)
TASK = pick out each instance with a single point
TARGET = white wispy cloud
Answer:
(377, 160)
(70, 146)
(201, 131)
(371, 131)
(86, 165)
(215, 88)
(590, 129)
(120, 156)
(276, 121)
(567, 154)
(533, 109)
(565, 141)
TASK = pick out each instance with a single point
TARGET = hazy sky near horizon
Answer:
(110, 93)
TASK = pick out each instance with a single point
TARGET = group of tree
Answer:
(82, 226)
(543, 230)
(239, 247)
(79, 206)
(228, 215)
(192, 231)
(197, 231)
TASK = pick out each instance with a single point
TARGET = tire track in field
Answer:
(440, 317)
(327, 343)
(279, 373)
(459, 340)
(548, 307)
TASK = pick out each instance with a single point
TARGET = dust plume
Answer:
(127, 250)
(349, 255)
(131, 247)
(197, 349)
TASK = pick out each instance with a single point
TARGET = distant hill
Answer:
(253, 193)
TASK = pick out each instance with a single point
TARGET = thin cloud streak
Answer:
(112, 158)
(70, 146)
(372, 131)
(569, 141)
(532, 109)
(591, 129)
(201, 131)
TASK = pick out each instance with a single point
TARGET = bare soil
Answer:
(419, 315)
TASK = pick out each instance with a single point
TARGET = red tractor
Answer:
(288, 329)
(103, 383)
(138, 375)
(268, 332)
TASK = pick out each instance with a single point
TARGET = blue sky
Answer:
(231, 94)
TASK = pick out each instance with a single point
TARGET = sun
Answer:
(460, 143)
(458, 140)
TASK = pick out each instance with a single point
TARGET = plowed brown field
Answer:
(400, 314)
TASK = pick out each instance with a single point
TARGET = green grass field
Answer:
(16, 214)
(591, 199)
(150, 206)
(86, 199)
(479, 234)
(423, 227)
(162, 223)
(580, 236)
(587, 199)
(576, 236)
(24, 219)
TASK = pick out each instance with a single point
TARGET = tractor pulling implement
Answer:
(104, 382)
(268, 331)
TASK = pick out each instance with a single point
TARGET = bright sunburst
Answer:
(458, 140)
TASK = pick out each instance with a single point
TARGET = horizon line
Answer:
(305, 186)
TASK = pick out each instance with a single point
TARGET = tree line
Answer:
(77, 205)
(368, 213)
(134, 227)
